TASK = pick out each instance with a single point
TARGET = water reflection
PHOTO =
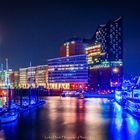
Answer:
(123, 125)
(132, 125)
(8, 130)
(2, 101)
(73, 118)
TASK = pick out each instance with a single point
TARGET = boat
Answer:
(133, 102)
(67, 93)
(120, 97)
(123, 92)
(129, 97)
(133, 106)
(8, 117)
(78, 94)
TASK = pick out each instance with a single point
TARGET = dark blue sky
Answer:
(34, 30)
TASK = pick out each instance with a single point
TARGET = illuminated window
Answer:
(67, 50)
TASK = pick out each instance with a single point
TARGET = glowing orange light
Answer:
(116, 83)
(115, 70)
(4, 92)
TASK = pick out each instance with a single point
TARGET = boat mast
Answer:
(8, 86)
(7, 74)
(2, 75)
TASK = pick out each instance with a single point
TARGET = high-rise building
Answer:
(36, 76)
(96, 63)
(23, 77)
(6, 78)
(105, 55)
(16, 79)
(42, 75)
(110, 37)
(31, 76)
(68, 72)
(73, 46)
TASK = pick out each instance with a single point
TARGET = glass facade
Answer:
(105, 56)
(72, 70)
(23, 77)
(42, 75)
(110, 36)
(35, 76)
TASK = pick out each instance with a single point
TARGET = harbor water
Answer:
(73, 118)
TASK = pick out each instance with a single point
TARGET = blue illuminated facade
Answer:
(101, 65)
(105, 56)
(68, 72)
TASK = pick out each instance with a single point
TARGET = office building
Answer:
(42, 76)
(73, 46)
(68, 72)
(36, 76)
(23, 78)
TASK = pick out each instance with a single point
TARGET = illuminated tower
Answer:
(105, 56)
(110, 36)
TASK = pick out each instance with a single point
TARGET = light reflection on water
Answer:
(123, 125)
(91, 118)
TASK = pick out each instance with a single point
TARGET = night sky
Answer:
(34, 30)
